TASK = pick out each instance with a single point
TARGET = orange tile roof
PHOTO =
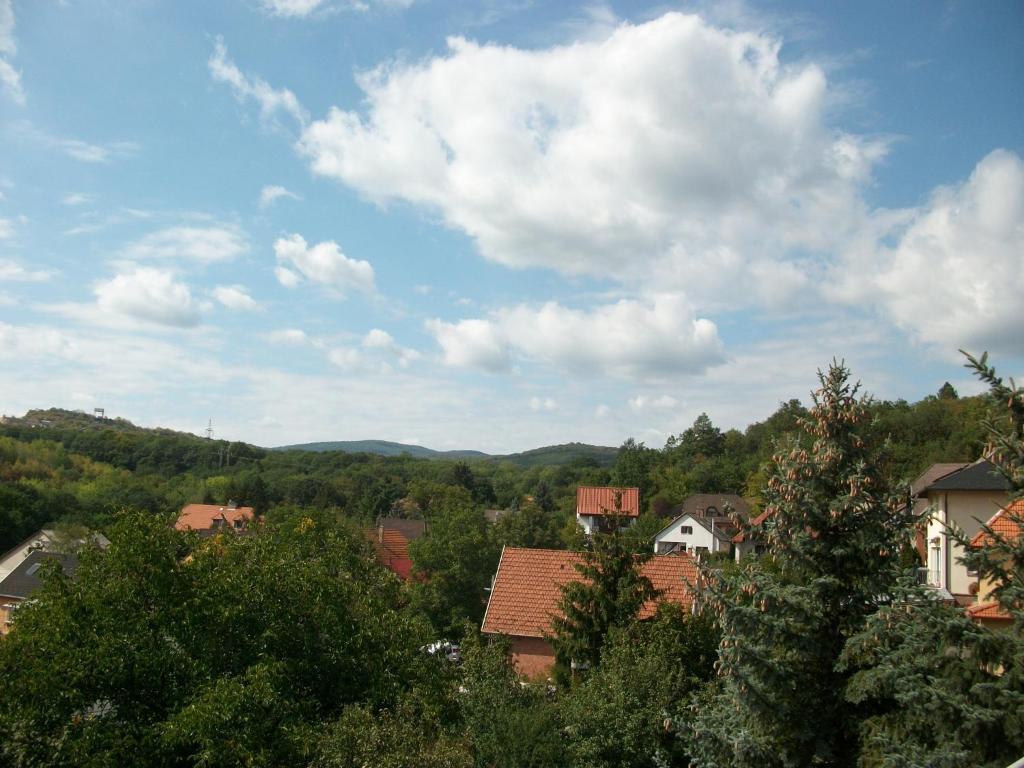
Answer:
(392, 550)
(759, 520)
(990, 611)
(200, 517)
(527, 588)
(592, 500)
(1002, 524)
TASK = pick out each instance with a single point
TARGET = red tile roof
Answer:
(392, 549)
(989, 611)
(606, 501)
(527, 588)
(201, 517)
(1002, 524)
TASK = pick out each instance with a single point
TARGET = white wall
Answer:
(964, 509)
(700, 537)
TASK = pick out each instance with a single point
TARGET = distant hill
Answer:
(552, 455)
(382, 448)
(558, 455)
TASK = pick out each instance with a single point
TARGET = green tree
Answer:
(617, 716)
(453, 564)
(833, 534)
(633, 465)
(918, 662)
(609, 594)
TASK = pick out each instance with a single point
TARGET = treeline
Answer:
(64, 466)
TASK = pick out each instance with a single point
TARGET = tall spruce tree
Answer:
(942, 690)
(833, 531)
(610, 593)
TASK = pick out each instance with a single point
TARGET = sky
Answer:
(500, 225)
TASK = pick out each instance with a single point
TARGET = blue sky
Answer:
(501, 225)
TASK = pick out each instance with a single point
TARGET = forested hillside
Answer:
(66, 466)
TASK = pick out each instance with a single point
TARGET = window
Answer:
(686, 530)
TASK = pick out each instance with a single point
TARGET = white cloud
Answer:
(645, 402)
(323, 263)
(602, 411)
(13, 272)
(344, 357)
(200, 244)
(471, 344)
(955, 274)
(545, 404)
(6, 229)
(648, 155)
(384, 342)
(148, 294)
(85, 152)
(235, 297)
(629, 338)
(10, 78)
(289, 336)
(286, 277)
(270, 100)
(77, 198)
(291, 8)
(271, 193)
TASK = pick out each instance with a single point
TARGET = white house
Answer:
(694, 534)
(45, 540)
(595, 506)
(966, 498)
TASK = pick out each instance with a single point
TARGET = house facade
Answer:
(24, 579)
(964, 497)
(597, 506)
(693, 534)
(527, 590)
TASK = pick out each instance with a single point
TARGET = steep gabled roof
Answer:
(24, 580)
(757, 521)
(1002, 524)
(933, 473)
(528, 588)
(591, 500)
(982, 475)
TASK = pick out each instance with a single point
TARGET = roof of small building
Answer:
(591, 500)
(201, 517)
(1002, 524)
(24, 579)
(934, 473)
(989, 610)
(982, 475)
(528, 588)
(391, 540)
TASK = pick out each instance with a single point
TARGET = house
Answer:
(390, 539)
(596, 506)
(47, 540)
(702, 523)
(694, 534)
(209, 519)
(963, 497)
(18, 585)
(750, 542)
(1005, 523)
(527, 589)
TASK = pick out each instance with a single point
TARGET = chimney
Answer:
(380, 533)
